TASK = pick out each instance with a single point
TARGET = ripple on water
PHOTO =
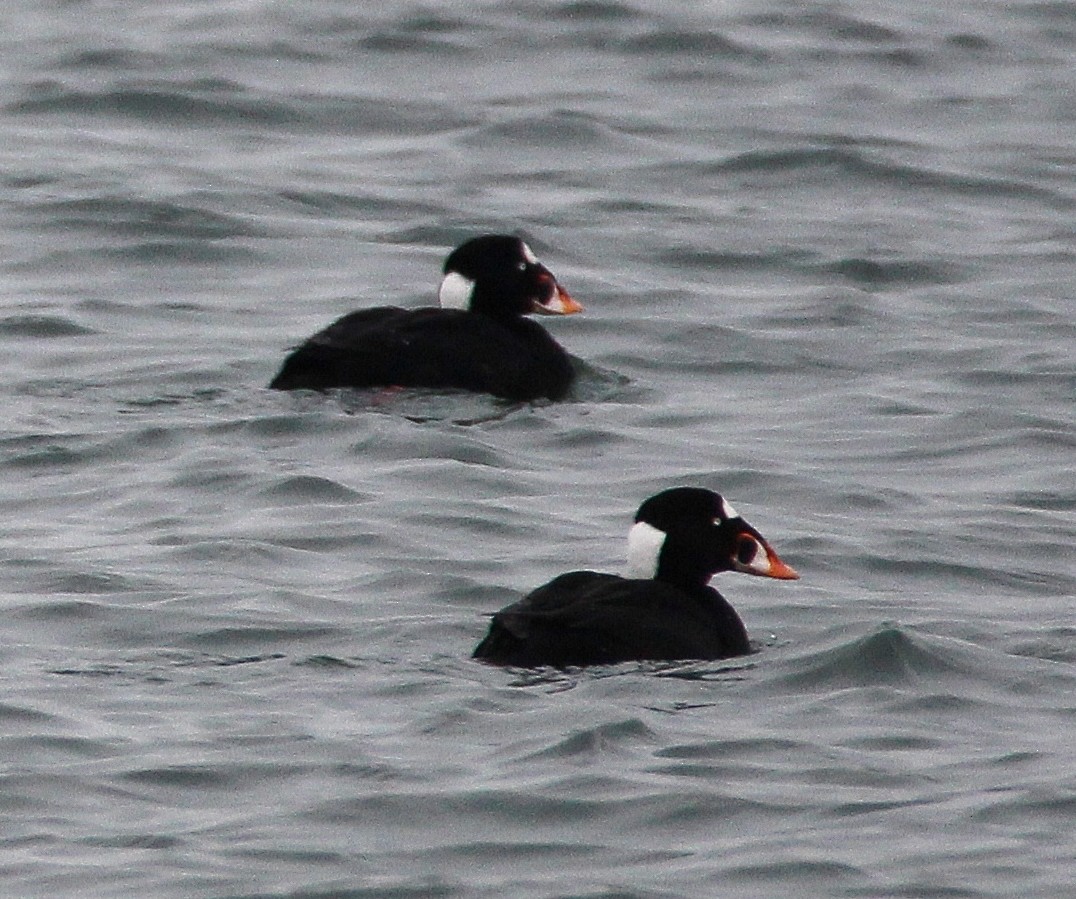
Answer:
(889, 655)
(870, 167)
(310, 489)
(599, 741)
(42, 326)
(22, 716)
(831, 250)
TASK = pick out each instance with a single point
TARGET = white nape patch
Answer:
(644, 549)
(727, 511)
(455, 292)
(528, 254)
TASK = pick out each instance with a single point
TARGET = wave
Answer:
(205, 101)
(45, 326)
(219, 102)
(679, 42)
(894, 655)
(146, 218)
(859, 163)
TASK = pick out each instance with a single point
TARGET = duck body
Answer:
(477, 339)
(591, 618)
(664, 610)
(431, 347)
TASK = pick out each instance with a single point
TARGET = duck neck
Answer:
(683, 569)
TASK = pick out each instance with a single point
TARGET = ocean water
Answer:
(827, 256)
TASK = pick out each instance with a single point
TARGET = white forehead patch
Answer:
(455, 292)
(528, 254)
(644, 549)
(727, 511)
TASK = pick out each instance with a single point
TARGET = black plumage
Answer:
(488, 347)
(685, 535)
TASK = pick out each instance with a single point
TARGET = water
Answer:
(826, 252)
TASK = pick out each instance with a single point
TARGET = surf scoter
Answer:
(663, 610)
(477, 340)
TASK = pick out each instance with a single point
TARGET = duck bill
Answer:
(559, 303)
(765, 562)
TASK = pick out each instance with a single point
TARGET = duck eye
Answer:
(746, 550)
(522, 266)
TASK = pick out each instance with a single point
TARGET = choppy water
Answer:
(827, 253)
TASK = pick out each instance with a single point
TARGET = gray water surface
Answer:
(827, 256)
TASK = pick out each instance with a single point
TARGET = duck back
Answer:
(589, 618)
(431, 347)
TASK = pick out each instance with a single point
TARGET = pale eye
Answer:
(522, 266)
